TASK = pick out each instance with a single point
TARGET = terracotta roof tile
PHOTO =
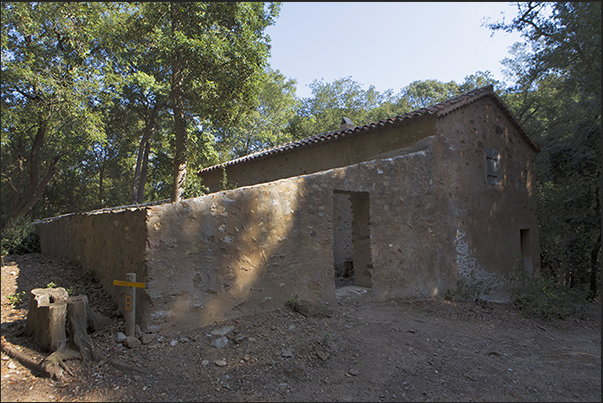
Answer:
(439, 110)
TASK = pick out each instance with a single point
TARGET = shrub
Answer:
(19, 238)
(468, 289)
(548, 299)
(17, 298)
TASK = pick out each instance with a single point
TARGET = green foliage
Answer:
(19, 238)
(330, 102)
(194, 187)
(70, 290)
(289, 303)
(17, 298)
(216, 53)
(89, 103)
(224, 184)
(86, 90)
(557, 98)
(51, 87)
(419, 94)
(548, 299)
(265, 126)
(480, 79)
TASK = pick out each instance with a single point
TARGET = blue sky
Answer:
(390, 44)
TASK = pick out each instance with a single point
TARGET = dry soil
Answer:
(400, 350)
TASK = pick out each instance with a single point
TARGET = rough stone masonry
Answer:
(419, 204)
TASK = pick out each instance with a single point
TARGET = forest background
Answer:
(110, 104)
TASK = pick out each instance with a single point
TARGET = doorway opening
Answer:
(352, 257)
(526, 250)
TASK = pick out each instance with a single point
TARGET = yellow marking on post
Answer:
(128, 302)
(128, 284)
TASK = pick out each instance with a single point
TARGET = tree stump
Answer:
(46, 317)
(96, 321)
(59, 324)
(77, 325)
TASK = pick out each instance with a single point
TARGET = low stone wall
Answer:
(109, 243)
(254, 248)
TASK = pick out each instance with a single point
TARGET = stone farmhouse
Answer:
(422, 205)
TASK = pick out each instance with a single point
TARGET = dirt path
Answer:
(367, 351)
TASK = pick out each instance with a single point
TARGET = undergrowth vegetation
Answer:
(19, 238)
(548, 299)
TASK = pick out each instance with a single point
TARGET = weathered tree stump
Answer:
(96, 321)
(77, 325)
(59, 324)
(54, 364)
(46, 317)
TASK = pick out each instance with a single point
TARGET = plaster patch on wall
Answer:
(465, 262)
(469, 270)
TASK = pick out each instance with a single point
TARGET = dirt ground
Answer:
(401, 350)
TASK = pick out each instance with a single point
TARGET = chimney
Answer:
(346, 123)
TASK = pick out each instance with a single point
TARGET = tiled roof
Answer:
(439, 110)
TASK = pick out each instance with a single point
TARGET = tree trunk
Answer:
(143, 173)
(180, 161)
(51, 308)
(594, 254)
(101, 182)
(179, 173)
(143, 155)
(23, 203)
(594, 267)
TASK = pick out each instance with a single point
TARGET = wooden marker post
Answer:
(130, 303)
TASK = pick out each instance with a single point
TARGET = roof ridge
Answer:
(440, 109)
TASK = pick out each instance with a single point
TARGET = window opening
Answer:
(493, 166)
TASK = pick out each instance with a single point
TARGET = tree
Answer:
(346, 98)
(50, 83)
(265, 126)
(214, 54)
(480, 79)
(420, 94)
(145, 86)
(557, 97)
(330, 102)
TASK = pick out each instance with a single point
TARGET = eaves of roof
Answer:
(438, 110)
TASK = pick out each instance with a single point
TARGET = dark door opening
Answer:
(351, 239)
(526, 251)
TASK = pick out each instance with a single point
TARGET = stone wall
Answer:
(415, 220)
(109, 243)
(482, 223)
(253, 248)
(352, 149)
